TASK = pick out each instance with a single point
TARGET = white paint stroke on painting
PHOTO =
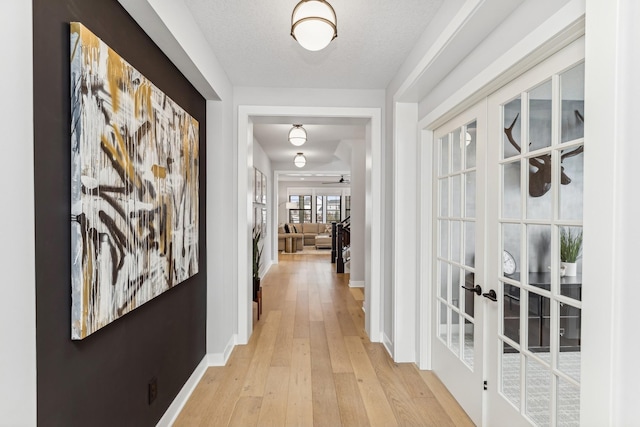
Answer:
(134, 187)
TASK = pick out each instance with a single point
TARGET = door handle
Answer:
(491, 295)
(477, 289)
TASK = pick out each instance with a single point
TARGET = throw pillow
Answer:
(327, 229)
(286, 228)
(295, 229)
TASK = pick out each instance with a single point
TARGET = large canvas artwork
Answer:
(134, 187)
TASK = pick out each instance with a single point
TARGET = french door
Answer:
(457, 356)
(525, 214)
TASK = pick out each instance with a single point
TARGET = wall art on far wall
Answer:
(134, 187)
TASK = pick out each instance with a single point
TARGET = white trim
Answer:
(245, 210)
(265, 268)
(558, 31)
(216, 359)
(373, 218)
(605, 206)
(181, 399)
(425, 251)
(441, 45)
(221, 359)
(356, 283)
(388, 344)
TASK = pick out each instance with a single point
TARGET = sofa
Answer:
(303, 235)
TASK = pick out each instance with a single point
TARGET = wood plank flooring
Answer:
(310, 363)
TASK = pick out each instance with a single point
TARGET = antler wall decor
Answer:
(540, 179)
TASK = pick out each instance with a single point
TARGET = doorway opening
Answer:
(370, 118)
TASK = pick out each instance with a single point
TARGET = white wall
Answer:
(262, 162)
(358, 206)
(17, 254)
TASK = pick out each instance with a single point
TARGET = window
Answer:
(333, 208)
(319, 209)
(347, 206)
(328, 208)
(303, 213)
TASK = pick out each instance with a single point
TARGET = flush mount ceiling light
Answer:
(297, 135)
(314, 24)
(299, 160)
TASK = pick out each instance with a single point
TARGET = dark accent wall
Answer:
(102, 380)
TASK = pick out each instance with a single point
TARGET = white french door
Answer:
(522, 338)
(457, 356)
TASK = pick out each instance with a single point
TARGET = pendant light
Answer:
(314, 24)
(297, 135)
(299, 160)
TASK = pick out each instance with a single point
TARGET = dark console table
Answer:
(539, 317)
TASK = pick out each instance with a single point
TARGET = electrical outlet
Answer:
(153, 389)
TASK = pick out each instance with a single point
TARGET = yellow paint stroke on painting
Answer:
(121, 156)
(115, 75)
(159, 171)
(86, 290)
(143, 99)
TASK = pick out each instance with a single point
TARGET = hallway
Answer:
(309, 362)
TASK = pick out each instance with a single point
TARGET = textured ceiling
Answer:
(251, 40)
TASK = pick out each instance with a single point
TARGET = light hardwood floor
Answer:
(310, 363)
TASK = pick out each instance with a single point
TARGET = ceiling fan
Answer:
(340, 181)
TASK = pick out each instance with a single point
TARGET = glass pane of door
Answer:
(457, 354)
(456, 187)
(541, 234)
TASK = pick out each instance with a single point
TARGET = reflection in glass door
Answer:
(540, 229)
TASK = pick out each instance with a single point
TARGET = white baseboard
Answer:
(265, 268)
(388, 344)
(356, 283)
(178, 403)
(220, 359)
(214, 359)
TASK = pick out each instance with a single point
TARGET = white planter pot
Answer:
(570, 268)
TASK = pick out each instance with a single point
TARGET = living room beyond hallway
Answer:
(309, 362)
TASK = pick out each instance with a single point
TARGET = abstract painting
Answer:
(134, 187)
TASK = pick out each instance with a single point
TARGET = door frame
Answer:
(373, 259)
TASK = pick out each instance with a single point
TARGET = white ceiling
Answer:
(252, 42)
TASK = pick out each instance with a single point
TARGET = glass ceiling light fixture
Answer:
(299, 160)
(297, 135)
(314, 24)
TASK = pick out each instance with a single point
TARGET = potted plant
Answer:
(570, 249)
(257, 255)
